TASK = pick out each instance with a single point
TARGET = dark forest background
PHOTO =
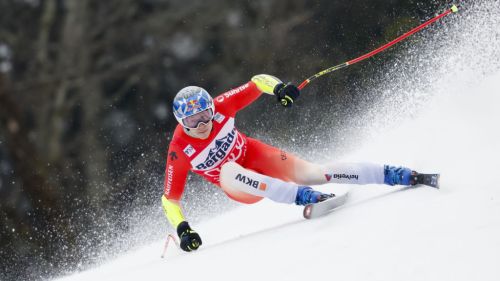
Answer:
(86, 90)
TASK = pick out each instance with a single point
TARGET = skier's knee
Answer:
(310, 175)
(229, 171)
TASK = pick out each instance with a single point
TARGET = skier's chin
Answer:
(202, 133)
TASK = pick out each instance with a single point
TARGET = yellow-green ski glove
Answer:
(286, 94)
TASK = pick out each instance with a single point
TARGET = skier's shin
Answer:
(238, 182)
(354, 173)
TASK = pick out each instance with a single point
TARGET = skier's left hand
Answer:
(286, 93)
(190, 240)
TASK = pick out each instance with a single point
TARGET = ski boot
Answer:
(397, 175)
(404, 176)
(307, 195)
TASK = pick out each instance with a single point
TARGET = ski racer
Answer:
(207, 143)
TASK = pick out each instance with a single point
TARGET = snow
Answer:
(382, 233)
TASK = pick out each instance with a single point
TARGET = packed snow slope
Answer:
(382, 233)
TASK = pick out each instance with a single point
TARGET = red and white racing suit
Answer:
(272, 165)
(225, 143)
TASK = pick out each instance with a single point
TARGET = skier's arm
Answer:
(266, 83)
(175, 178)
(237, 99)
(172, 209)
(190, 239)
(285, 93)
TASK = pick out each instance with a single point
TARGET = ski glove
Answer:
(190, 240)
(286, 93)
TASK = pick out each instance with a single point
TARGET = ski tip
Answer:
(433, 181)
(454, 8)
(307, 211)
(322, 208)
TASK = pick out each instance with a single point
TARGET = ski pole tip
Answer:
(454, 8)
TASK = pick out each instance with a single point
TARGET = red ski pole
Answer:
(453, 9)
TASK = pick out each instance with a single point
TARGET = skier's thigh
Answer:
(277, 163)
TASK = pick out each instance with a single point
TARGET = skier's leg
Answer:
(277, 163)
(359, 173)
(354, 173)
(239, 183)
(369, 173)
(276, 168)
(243, 184)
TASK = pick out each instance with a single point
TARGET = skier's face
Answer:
(194, 121)
(202, 131)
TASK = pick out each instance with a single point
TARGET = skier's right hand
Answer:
(286, 94)
(190, 240)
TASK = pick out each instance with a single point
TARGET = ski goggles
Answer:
(194, 121)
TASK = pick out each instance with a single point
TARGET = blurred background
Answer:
(85, 106)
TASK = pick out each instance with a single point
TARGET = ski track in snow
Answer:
(382, 233)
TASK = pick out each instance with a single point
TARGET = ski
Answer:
(319, 209)
(426, 179)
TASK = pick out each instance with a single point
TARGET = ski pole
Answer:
(453, 9)
(169, 237)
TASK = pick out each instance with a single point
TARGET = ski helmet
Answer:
(191, 100)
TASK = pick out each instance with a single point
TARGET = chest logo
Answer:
(218, 152)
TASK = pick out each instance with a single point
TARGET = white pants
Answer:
(247, 186)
